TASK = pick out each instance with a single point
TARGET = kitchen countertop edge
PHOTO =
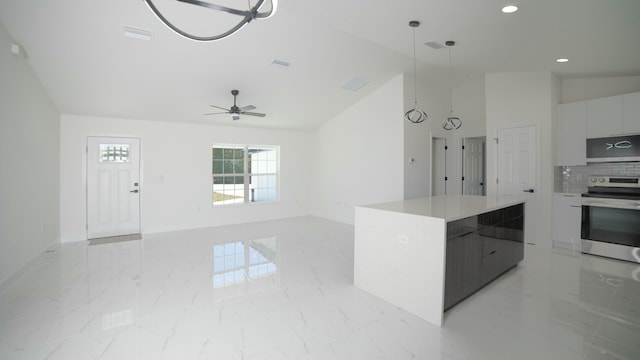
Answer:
(449, 207)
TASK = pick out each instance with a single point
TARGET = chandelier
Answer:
(245, 16)
(415, 115)
(452, 122)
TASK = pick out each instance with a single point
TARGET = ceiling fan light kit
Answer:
(415, 115)
(245, 15)
(452, 122)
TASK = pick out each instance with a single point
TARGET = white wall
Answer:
(176, 173)
(357, 156)
(519, 99)
(469, 106)
(29, 170)
(593, 88)
(435, 99)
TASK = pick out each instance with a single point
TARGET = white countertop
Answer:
(449, 207)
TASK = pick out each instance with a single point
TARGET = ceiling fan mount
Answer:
(235, 110)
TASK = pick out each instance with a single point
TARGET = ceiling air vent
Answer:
(355, 84)
(137, 33)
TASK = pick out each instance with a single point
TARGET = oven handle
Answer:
(613, 203)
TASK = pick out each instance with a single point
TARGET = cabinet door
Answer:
(604, 117)
(462, 269)
(454, 267)
(573, 134)
(631, 113)
(567, 212)
(491, 266)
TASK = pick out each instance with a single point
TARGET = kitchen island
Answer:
(425, 255)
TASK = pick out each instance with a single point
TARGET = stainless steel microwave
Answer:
(614, 149)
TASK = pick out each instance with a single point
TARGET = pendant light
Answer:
(415, 115)
(452, 122)
(244, 17)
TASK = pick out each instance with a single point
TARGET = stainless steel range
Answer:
(611, 217)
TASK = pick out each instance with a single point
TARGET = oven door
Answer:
(611, 227)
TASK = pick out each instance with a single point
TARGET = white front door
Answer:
(113, 186)
(473, 164)
(517, 170)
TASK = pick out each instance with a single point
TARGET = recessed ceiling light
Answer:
(137, 33)
(509, 9)
(562, 60)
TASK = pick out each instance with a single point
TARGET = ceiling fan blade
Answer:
(254, 114)
(217, 113)
(247, 108)
(219, 107)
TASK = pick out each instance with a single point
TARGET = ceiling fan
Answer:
(236, 111)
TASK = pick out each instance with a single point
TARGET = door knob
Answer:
(134, 191)
(529, 190)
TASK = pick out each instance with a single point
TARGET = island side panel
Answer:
(400, 258)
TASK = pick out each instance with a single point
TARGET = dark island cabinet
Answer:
(480, 249)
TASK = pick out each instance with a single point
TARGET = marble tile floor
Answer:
(284, 290)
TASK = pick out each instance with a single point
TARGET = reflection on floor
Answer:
(284, 290)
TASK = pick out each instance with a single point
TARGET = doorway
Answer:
(113, 186)
(438, 166)
(473, 166)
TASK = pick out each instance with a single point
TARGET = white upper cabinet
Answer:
(604, 117)
(572, 134)
(631, 113)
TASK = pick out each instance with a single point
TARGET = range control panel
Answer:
(614, 181)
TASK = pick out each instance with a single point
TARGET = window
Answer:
(243, 174)
(114, 153)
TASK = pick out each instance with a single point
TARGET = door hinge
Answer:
(446, 147)
(446, 178)
(496, 180)
(463, 178)
(462, 147)
(496, 139)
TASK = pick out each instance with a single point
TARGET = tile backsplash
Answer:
(573, 179)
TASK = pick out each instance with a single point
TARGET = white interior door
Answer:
(473, 165)
(113, 186)
(438, 166)
(517, 171)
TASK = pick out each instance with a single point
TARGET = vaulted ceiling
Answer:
(87, 65)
